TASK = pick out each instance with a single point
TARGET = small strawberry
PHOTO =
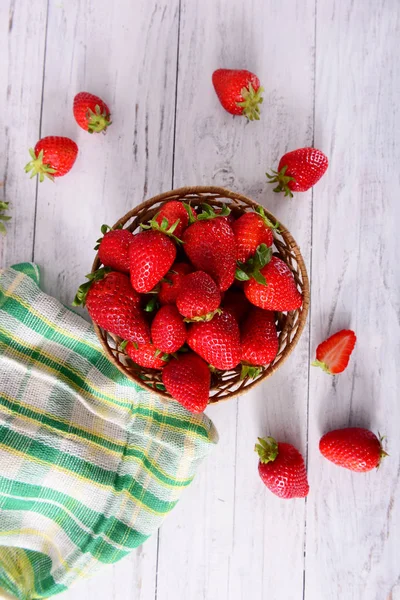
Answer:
(239, 92)
(353, 448)
(299, 170)
(251, 230)
(169, 289)
(282, 469)
(199, 297)
(259, 338)
(168, 330)
(52, 157)
(113, 248)
(113, 304)
(271, 287)
(91, 113)
(217, 341)
(333, 354)
(211, 247)
(175, 211)
(187, 378)
(151, 255)
(146, 355)
(236, 302)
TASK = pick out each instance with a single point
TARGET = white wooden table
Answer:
(332, 79)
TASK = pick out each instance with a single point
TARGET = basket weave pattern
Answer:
(224, 385)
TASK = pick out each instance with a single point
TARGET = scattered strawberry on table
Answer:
(52, 157)
(282, 469)
(239, 92)
(91, 112)
(333, 354)
(353, 448)
(298, 171)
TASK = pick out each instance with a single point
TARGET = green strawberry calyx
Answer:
(251, 102)
(282, 180)
(105, 229)
(163, 355)
(261, 213)
(267, 449)
(97, 121)
(164, 227)
(81, 294)
(322, 365)
(249, 371)
(207, 212)
(38, 167)
(3, 217)
(252, 268)
(205, 318)
(383, 453)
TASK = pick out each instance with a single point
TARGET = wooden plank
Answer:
(353, 519)
(226, 539)
(22, 40)
(113, 51)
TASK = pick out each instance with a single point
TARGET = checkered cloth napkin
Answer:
(90, 463)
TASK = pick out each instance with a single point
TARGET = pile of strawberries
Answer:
(192, 293)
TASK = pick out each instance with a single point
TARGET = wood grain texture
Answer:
(353, 520)
(224, 541)
(22, 42)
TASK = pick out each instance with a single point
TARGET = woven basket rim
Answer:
(220, 193)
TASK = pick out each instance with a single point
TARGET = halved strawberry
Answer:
(333, 354)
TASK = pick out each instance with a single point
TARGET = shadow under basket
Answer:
(224, 384)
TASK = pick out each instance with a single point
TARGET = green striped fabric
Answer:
(90, 464)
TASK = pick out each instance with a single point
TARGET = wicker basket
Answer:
(224, 385)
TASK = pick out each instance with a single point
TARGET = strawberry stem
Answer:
(163, 228)
(37, 167)
(252, 268)
(97, 121)
(205, 318)
(322, 365)
(282, 180)
(261, 212)
(249, 371)
(81, 294)
(267, 450)
(251, 102)
(209, 213)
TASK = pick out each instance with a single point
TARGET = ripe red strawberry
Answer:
(353, 448)
(282, 469)
(333, 354)
(91, 113)
(146, 355)
(239, 92)
(151, 255)
(259, 338)
(299, 170)
(187, 378)
(168, 330)
(217, 341)
(114, 305)
(236, 302)
(211, 247)
(251, 230)
(280, 292)
(174, 211)
(113, 248)
(52, 157)
(198, 297)
(169, 289)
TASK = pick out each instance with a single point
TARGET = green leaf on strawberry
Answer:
(252, 268)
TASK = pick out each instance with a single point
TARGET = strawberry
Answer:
(199, 297)
(353, 448)
(272, 286)
(259, 337)
(113, 248)
(230, 219)
(168, 330)
(91, 113)
(146, 355)
(174, 211)
(169, 289)
(114, 305)
(282, 469)
(251, 230)
(236, 302)
(217, 341)
(333, 354)
(52, 157)
(211, 247)
(187, 378)
(299, 170)
(239, 92)
(151, 255)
